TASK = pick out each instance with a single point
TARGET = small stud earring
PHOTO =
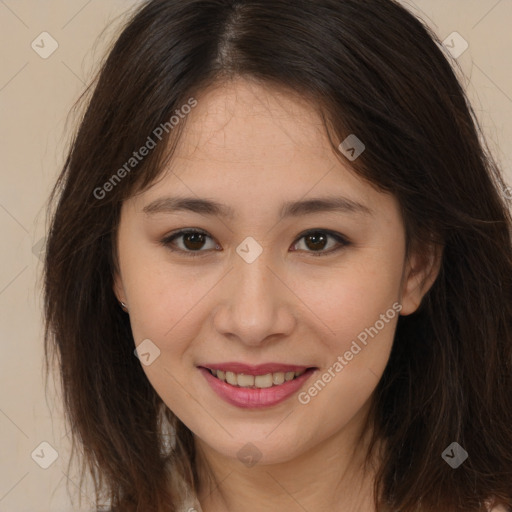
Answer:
(124, 306)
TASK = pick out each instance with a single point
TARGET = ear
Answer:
(420, 272)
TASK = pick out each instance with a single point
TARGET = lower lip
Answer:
(250, 398)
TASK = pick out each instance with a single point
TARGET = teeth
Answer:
(246, 381)
(263, 381)
(277, 378)
(231, 378)
(258, 381)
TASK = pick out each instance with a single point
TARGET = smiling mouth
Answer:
(267, 380)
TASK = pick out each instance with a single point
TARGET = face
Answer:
(270, 284)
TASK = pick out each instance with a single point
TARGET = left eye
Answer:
(317, 240)
(193, 241)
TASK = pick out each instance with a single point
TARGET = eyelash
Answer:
(167, 241)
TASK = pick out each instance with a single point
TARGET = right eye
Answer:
(192, 241)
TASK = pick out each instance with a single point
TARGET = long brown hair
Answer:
(370, 68)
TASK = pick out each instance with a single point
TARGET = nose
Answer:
(256, 305)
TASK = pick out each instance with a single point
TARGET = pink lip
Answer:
(250, 398)
(259, 369)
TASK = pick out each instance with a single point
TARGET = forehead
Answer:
(243, 121)
(249, 146)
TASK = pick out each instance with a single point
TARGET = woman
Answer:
(278, 275)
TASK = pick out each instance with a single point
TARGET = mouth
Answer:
(255, 386)
(262, 381)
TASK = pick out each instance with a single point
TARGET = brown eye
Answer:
(316, 241)
(192, 241)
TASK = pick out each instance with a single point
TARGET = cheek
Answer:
(359, 307)
(167, 309)
(162, 297)
(353, 296)
(357, 359)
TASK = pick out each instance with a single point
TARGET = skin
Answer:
(252, 148)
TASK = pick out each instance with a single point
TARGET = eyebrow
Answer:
(289, 209)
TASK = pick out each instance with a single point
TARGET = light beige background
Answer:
(35, 97)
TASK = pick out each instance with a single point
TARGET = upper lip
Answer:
(259, 369)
